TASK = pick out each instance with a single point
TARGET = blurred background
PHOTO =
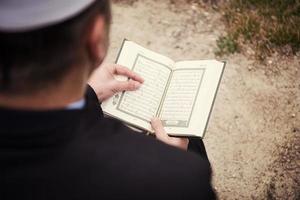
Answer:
(253, 137)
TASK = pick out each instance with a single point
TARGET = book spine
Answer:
(164, 95)
(119, 53)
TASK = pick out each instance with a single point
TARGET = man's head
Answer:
(31, 60)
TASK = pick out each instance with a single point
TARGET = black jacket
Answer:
(79, 154)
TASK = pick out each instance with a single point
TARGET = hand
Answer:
(161, 135)
(105, 85)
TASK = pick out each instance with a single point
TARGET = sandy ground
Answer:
(253, 138)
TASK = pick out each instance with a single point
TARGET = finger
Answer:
(181, 143)
(130, 85)
(159, 129)
(120, 70)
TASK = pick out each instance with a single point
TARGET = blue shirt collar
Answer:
(76, 105)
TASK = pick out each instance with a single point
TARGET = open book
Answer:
(181, 93)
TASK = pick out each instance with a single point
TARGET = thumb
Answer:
(159, 129)
(130, 85)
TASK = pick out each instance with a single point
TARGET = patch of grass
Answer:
(266, 25)
(226, 45)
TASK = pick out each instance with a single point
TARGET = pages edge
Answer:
(214, 99)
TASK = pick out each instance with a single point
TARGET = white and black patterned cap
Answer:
(27, 15)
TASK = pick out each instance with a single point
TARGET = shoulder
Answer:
(152, 156)
(139, 144)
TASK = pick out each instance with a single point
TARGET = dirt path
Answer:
(253, 138)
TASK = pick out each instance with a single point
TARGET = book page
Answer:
(190, 97)
(181, 96)
(138, 107)
(144, 102)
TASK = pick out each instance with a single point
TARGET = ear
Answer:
(97, 39)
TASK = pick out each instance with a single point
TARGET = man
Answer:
(54, 141)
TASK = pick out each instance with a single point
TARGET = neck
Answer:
(60, 95)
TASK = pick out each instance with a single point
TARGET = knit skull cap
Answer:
(27, 15)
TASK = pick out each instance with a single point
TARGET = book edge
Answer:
(125, 122)
(120, 50)
(214, 99)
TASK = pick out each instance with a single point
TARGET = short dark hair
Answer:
(30, 61)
